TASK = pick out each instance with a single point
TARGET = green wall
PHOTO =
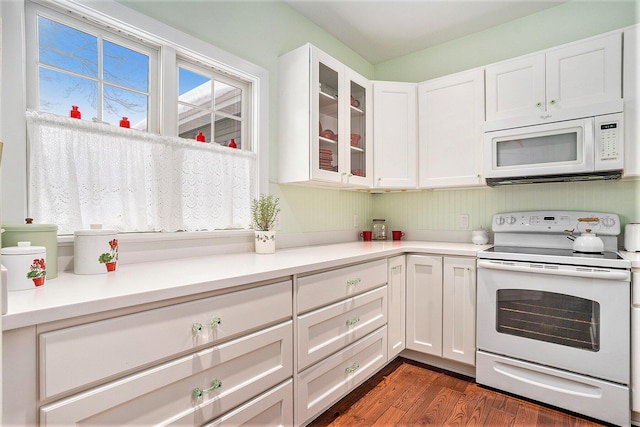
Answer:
(261, 31)
(551, 27)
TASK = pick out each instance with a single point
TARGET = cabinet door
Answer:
(358, 138)
(450, 132)
(327, 90)
(584, 73)
(459, 310)
(395, 135)
(631, 97)
(396, 287)
(424, 304)
(515, 88)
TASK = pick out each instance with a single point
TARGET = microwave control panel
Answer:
(608, 136)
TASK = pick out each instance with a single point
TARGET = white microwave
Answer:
(582, 149)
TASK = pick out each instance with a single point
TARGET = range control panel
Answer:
(556, 222)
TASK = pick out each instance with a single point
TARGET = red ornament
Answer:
(232, 143)
(75, 113)
(124, 123)
(200, 136)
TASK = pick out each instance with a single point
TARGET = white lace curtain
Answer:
(83, 173)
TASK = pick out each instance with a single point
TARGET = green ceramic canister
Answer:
(39, 235)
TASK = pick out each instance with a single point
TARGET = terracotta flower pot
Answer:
(38, 281)
(111, 266)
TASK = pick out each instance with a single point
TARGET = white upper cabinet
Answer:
(575, 80)
(324, 121)
(631, 97)
(395, 135)
(450, 130)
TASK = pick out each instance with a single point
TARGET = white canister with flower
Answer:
(95, 251)
(26, 266)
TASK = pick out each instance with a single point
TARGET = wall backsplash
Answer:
(439, 210)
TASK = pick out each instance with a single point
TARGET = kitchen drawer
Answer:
(81, 355)
(320, 289)
(326, 382)
(273, 408)
(165, 394)
(328, 329)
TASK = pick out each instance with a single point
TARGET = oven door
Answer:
(548, 149)
(567, 317)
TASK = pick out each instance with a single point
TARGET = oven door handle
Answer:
(587, 272)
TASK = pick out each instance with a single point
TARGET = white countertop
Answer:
(70, 295)
(634, 257)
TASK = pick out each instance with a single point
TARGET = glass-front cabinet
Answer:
(325, 128)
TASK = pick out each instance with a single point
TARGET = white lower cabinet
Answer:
(441, 307)
(188, 391)
(396, 286)
(340, 343)
(325, 382)
(81, 355)
(328, 329)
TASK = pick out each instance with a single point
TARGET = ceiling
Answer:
(380, 30)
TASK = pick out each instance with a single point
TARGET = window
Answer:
(92, 171)
(211, 103)
(98, 74)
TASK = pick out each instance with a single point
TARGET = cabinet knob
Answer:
(353, 321)
(215, 322)
(351, 369)
(539, 104)
(552, 102)
(353, 282)
(198, 392)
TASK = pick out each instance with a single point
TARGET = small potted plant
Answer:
(264, 212)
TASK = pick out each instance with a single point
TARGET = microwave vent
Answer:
(599, 176)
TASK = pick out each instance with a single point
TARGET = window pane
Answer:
(125, 67)
(227, 128)
(194, 88)
(228, 99)
(67, 48)
(191, 120)
(120, 103)
(59, 91)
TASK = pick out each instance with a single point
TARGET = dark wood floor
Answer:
(409, 393)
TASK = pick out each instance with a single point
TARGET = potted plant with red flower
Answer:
(109, 259)
(37, 271)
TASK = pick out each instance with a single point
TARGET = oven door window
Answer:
(548, 316)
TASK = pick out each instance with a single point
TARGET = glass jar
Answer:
(379, 229)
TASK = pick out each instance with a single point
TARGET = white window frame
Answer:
(76, 22)
(173, 44)
(210, 71)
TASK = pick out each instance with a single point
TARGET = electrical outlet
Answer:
(463, 221)
(356, 221)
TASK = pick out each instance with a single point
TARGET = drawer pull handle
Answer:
(351, 369)
(353, 321)
(215, 385)
(214, 323)
(353, 282)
